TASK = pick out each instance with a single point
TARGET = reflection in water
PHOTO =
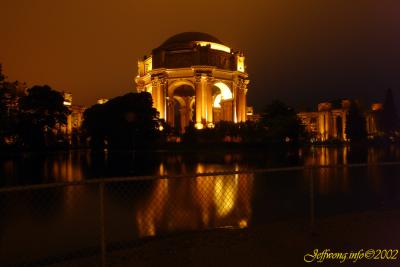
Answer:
(67, 219)
(338, 180)
(31, 168)
(199, 203)
(150, 214)
(320, 156)
(329, 180)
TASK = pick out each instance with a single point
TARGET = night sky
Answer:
(301, 52)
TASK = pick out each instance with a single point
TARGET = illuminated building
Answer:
(74, 119)
(329, 122)
(251, 116)
(194, 77)
(372, 119)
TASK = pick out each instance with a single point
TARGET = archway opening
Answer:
(221, 92)
(222, 102)
(183, 112)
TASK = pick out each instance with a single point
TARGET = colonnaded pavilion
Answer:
(194, 77)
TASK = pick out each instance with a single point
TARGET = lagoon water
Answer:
(52, 223)
(76, 165)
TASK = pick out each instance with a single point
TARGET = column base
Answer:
(199, 126)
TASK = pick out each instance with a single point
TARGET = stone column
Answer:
(154, 92)
(162, 98)
(344, 119)
(69, 124)
(201, 108)
(209, 102)
(198, 94)
(241, 101)
(159, 95)
(235, 89)
(170, 111)
(321, 125)
(246, 83)
(327, 125)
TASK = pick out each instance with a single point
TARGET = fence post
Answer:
(102, 226)
(312, 206)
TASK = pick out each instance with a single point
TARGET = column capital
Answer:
(197, 78)
(140, 85)
(154, 81)
(210, 80)
(202, 76)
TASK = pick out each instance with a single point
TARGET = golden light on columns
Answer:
(186, 69)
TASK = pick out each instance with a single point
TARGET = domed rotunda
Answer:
(194, 77)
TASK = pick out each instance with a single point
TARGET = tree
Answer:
(124, 122)
(40, 110)
(10, 92)
(2, 76)
(355, 123)
(281, 122)
(389, 119)
(3, 105)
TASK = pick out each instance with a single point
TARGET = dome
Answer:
(187, 37)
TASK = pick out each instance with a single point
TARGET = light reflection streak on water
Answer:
(196, 203)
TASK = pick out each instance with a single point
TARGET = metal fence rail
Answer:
(82, 221)
(152, 177)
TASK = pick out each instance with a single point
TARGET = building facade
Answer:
(329, 121)
(194, 77)
(71, 130)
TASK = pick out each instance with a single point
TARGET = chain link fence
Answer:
(83, 223)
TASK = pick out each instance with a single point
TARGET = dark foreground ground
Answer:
(277, 244)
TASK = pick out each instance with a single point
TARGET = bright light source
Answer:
(243, 223)
(217, 101)
(215, 46)
(224, 95)
(102, 101)
(199, 126)
(240, 63)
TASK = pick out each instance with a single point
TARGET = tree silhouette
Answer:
(124, 122)
(355, 124)
(281, 122)
(40, 111)
(3, 106)
(9, 111)
(389, 120)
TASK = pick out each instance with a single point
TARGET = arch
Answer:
(182, 95)
(178, 83)
(225, 94)
(180, 100)
(192, 102)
